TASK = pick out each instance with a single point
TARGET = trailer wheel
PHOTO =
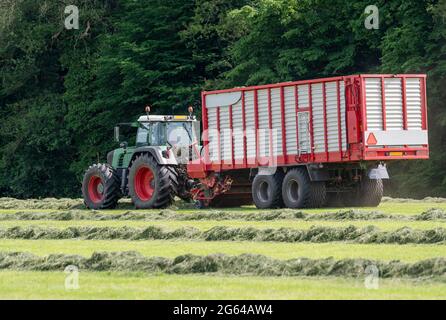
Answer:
(100, 187)
(151, 186)
(318, 194)
(266, 191)
(297, 189)
(371, 192)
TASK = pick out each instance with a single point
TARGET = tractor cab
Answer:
(167, 131)
(163, 135)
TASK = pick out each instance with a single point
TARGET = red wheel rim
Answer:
(95, 189)
(144, 183)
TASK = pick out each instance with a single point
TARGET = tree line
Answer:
(62, 91)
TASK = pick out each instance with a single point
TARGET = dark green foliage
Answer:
(62, 91)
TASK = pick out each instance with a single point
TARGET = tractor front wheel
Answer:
(151, 186)
(100, 187)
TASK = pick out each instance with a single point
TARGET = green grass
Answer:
(105, 285)
(100, 285)
(385, 225)
(409, 208)
(170, 249)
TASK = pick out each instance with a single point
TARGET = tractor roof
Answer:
(166, 118)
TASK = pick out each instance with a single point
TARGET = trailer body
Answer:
(332, 120)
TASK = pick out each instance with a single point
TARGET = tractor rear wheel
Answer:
(100, 187)
(151, 186)
(266, 191)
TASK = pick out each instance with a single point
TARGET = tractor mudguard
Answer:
(162, 158)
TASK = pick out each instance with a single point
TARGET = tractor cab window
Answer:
(179, 133)
(151, 134)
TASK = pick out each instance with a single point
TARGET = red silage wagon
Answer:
(309, 143)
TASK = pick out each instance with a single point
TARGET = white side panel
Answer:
(222, 99)
(318, 118)
(413, 104)
(394, 104)
(250, 125)
(213, 134)
(331, 92)
(263, 134)
(225, 135)
(290, 119)
(399, 137)
(237, 124)
(303, 96)
(343, 115)
(276, 114)
(373, 100)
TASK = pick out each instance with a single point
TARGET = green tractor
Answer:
(152, 171)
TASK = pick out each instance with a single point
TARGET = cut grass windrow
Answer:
(369, 234)
(246, 264)
(203, 225)
(170, 215)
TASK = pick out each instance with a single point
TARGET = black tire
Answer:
(100, 187)
(266, 191)
(299, 192)
(371, 192)
(318, 194)
(151, 186)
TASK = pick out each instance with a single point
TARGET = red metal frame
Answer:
(231, 130)
(296, 97)
(338, 96)
(383, 103)
(403, 85)
(324, 95)
(282, 109)
(310, 108)
(245, 142)
(270, 126)
(356, 151)
(256, 120)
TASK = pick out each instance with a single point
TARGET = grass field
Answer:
(23, 281)
(102, 285)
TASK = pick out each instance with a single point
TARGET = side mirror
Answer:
(117, 134)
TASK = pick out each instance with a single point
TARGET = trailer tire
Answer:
(100, 187)
(371, 192)
(151, 186)
(267, 191)
(297, 190)
(318, 195)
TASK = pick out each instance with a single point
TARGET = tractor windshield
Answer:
(179, 133)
